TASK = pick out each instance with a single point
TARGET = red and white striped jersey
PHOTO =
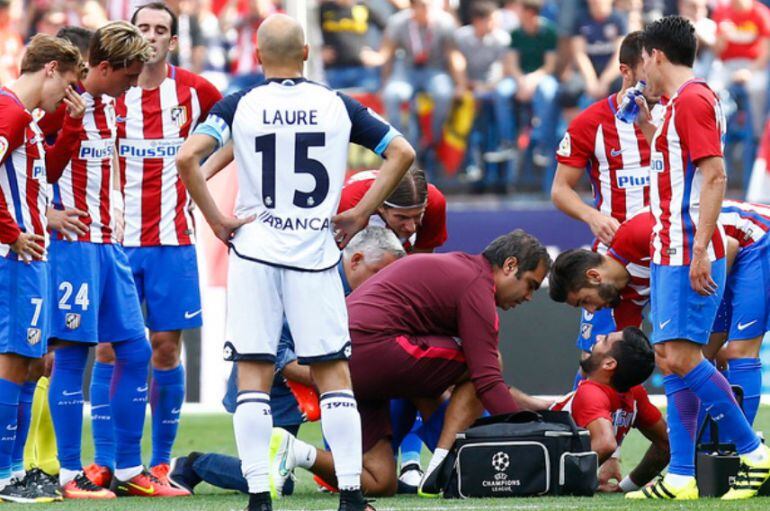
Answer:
(617, 156)
(693, 128)
(23, 187)
(152, 125)
(624, 410)
(631, 248)
(746, 222)
(87, 180)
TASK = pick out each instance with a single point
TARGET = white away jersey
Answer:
(291, 145)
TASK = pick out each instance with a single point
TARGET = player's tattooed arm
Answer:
(218, 161)
(188, 160)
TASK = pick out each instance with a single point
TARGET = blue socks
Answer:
(129, 399)
(65, 397)
(747, 373)
(22, 430)
(101, 415)
(9, 411)
(166, 398)
(717, 397)
(411, 446)
(682, 417)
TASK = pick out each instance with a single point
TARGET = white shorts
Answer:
(261, 297)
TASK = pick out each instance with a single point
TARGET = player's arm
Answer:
(566, 199)
(370, 131)
(603, 441)
(59, 154)
(732, 252)
(218, 161)
(711, 197)
(655, 459)
(194, 149)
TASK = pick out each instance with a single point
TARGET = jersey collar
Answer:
(287, 81)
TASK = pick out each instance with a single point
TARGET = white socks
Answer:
(758, 455)
(677, 481)
(253, 426)
(304, 454)
(124, 474)
(341, 426)
(66, 475)
(438, 457)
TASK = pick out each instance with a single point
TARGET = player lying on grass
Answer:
(368, 252)
(419, 327)
(610, 401)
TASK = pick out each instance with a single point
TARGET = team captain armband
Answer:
(215, 127)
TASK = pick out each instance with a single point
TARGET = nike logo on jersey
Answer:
(12, 427)
(142, 389)
(67, 394)
(616, 152)
(99, 406)
(175, 411)
(664, 324)
(120, 118)
(190, 315)
(744, 326)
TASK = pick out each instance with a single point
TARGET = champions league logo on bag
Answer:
(501, 461)
(500, 481)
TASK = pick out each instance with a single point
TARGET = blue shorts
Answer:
(167, 280)
(601, 322)
(24, 307)
(745, 310)
(94, 297)
(678, 312)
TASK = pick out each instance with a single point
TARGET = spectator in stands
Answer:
(743, 48)
(190, 52)
(243, 21)
(532, 62)
(595, 47)
(215, 63)
(11, 45)
(92, 15)
(484, 45)
(432, 63)
(50, 21)
(348, 61)
(705, 30)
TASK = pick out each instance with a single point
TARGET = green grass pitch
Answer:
(214, 433)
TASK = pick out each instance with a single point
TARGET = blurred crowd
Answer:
(496, 81)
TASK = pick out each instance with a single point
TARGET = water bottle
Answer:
(628, 109)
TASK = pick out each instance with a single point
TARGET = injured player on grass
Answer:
(426, 324)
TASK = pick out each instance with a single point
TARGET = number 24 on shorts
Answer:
(81, 297)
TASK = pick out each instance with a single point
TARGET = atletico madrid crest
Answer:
(179, 115)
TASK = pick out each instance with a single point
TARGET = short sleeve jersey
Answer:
(693, 129)
(592, 401)
(616, 155)
(152, 125)
(532, 48)
(747, 223)
(431, 233)
(290, 139)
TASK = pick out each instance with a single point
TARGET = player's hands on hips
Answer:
(29, 247)
(226, 227)
(604, 227)
(76, 105)
(610, 476)
(67, 222)
(347, 224)
(700, 274)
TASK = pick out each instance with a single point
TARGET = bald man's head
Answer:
(281, 41)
